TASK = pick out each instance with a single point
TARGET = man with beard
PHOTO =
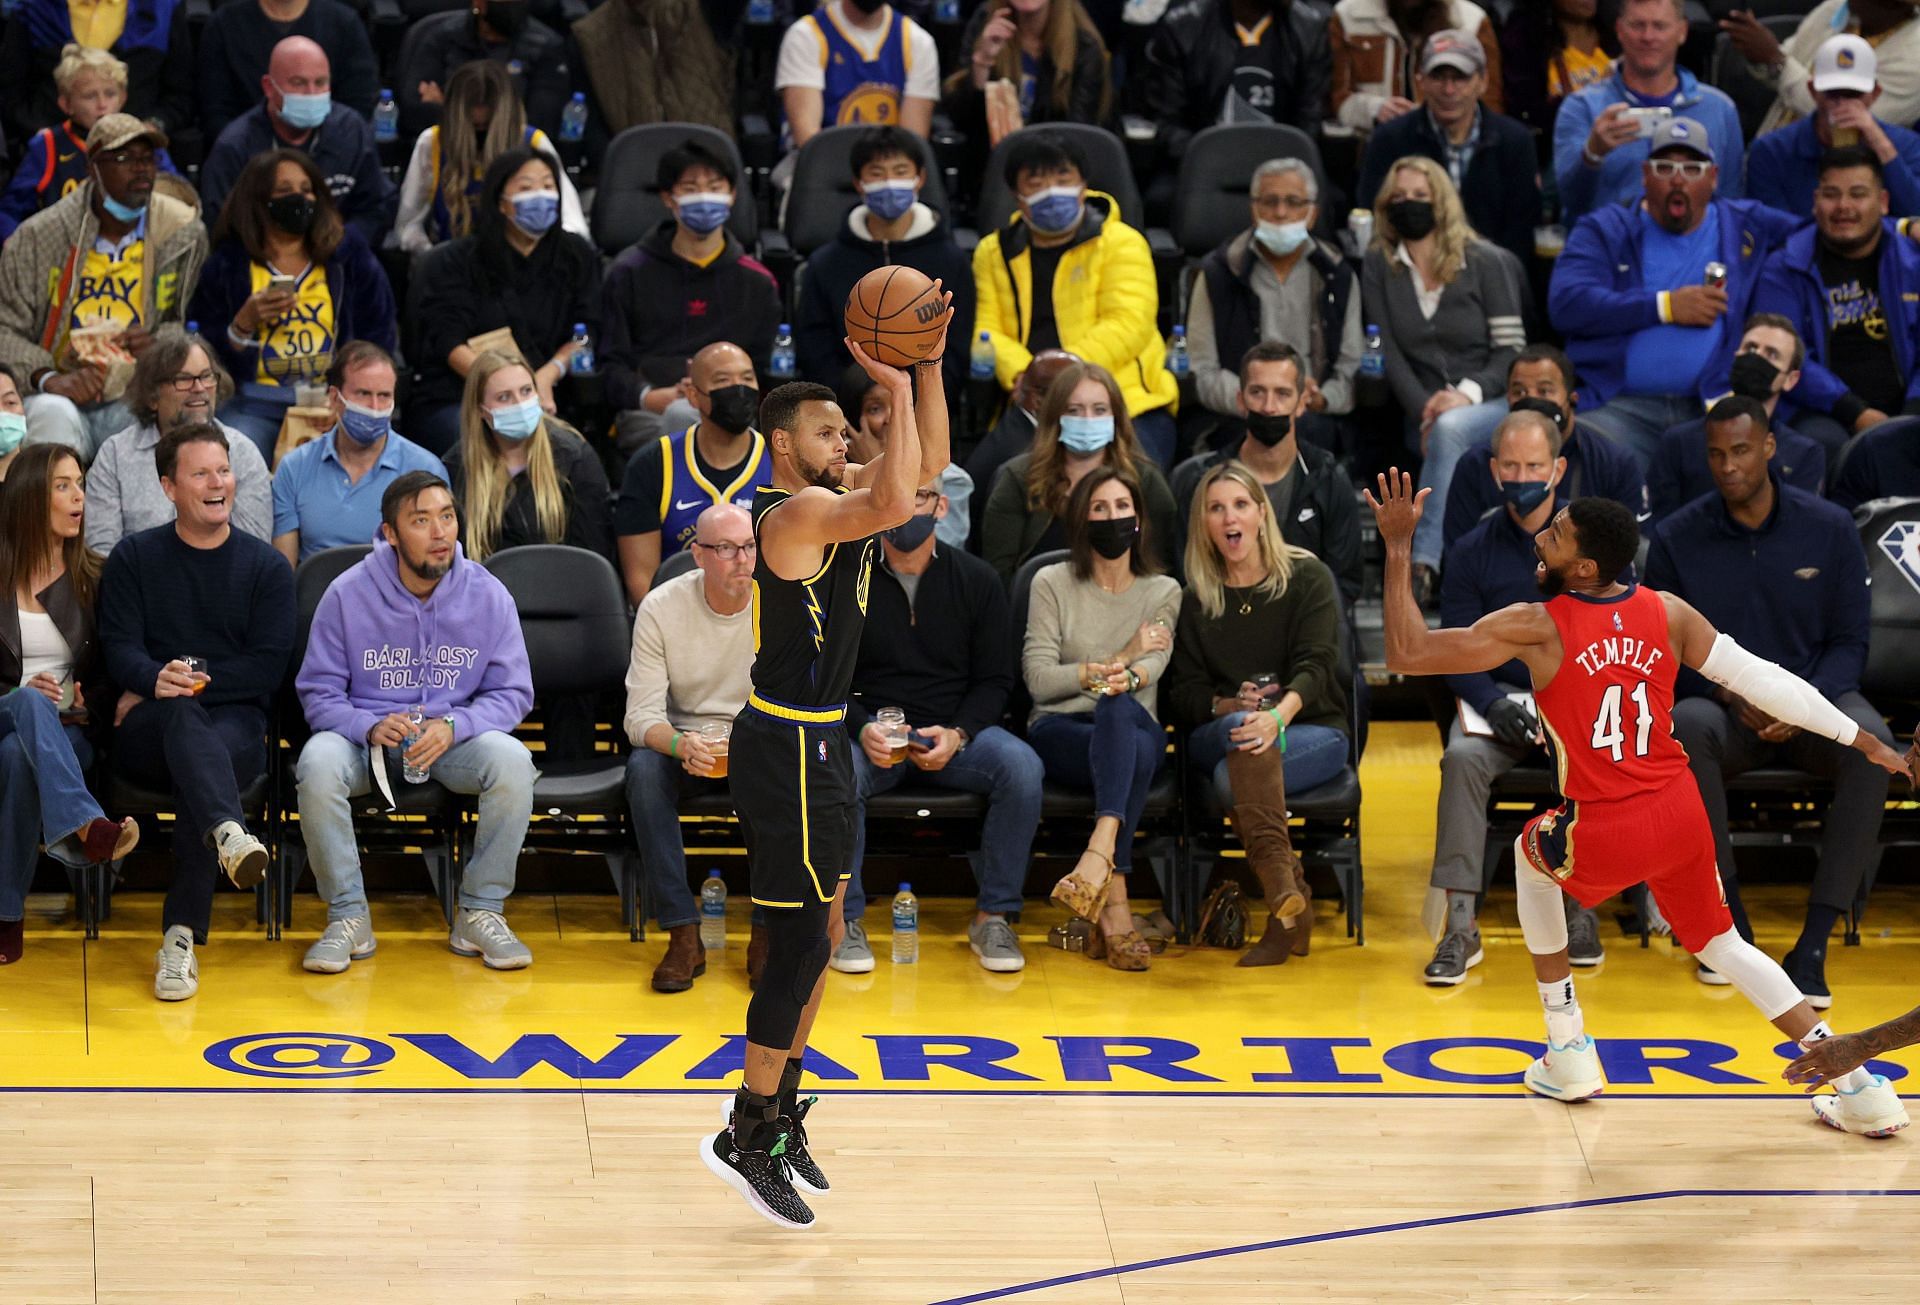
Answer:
(791, 762)
(1603, 657)
(1851, 287)
(414, 624)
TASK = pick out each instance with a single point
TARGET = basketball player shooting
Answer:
(792, 763)
(1604, 656)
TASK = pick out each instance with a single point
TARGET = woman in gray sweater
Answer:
(1099, 628)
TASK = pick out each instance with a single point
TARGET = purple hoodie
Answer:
(371, 638)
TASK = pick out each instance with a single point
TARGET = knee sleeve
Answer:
(797, 952)
(1759, 979)
(1543, 919)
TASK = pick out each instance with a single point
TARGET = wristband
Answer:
(673, 748)
(1280, 725)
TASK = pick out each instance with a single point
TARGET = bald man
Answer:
(692, 654)
(671, 480)
(1013, 435)
(298, 111)
(238, 41)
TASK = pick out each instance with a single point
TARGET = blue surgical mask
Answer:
(13, 429)
(887, 200)
(1525, 495)
(364, 426)
(120, 212)
(1086, 434)
(304, 112)
(912, 532)
(516, 421)
(1281, 238)
(706, 212)
(1055, 209)
(535, 211)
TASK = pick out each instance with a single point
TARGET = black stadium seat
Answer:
(823, 192)
(1890, 533)
(627, 204)
(1211, 199)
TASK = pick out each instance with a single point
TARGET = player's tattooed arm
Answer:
(1834, 1056)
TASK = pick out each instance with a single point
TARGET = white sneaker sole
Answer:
(1449, 980)
(312, 966)
(1827, 1110)
(248, 868)
(1581, 1091)
(998, 964)
(855, 965)
(1586, 962)
(463, 949)
(732, 1179)
(799, 1184)
(1817, 1002)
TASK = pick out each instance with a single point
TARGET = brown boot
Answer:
(1302, 931)
(685, 961)
(1260, 823)
(758, 940)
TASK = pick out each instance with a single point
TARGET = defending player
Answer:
(791, 761)
(1604, 656)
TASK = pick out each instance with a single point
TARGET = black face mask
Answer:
(1545, 407)
(1113, 537)
(1269, 428)
(1412, 218)
(507, 17)
(867, 6)
(293, 214)
(1753, 376)
(734, 407)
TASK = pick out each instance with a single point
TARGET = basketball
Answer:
(897, 316)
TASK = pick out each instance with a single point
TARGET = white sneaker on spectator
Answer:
(343, 943)
(997, 946)
(485, 934)
(854, 955)
(242, 856)
(176, 974)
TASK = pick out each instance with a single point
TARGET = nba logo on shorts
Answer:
(822, 745)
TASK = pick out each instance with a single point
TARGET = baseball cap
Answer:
(1453, 49)
(1845, 63)
(118, 129)
(1682, 133)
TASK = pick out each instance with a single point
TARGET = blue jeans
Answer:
(995, 765)
(655, 785)
(1114, 750)
(1315, 754)
(1158, 436)
(1637, 421)
(43, 792)
(1454, 432)
(496, 767)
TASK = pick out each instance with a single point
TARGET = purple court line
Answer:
(1347, 1234)
(321, 1086)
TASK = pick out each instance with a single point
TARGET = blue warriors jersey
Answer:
(440, 226)
(686, 492)
(860, 90)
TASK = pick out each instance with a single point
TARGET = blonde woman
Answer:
(1046, 54)
(1255, 672)
(518, 475)
(1448, 307)
(1083, 425)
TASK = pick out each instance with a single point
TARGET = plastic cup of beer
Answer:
(1549, 240)
(717, 736)
(893, 727)
(197, 667)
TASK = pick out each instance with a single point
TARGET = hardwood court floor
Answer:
(420, 1130)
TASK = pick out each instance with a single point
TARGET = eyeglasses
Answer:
(182, 383)
(727, 552)
(1691, 169)
(925, 497)
(1291, 203)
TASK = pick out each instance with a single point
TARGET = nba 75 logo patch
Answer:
(1901, 544)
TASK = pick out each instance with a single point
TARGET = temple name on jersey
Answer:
(1624, 651)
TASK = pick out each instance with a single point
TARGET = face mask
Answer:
(507, 17)
(516, 421)
(912, 532)
(867, 6)
(13, 429)
(305, 112)
(1268, 428)
(118, 211)
(1547, 408)
(1525, 495)
(1281, 238)
(1086, 434)
(734, 407)
(1753, 376)
(887, 200)
(364, 426)
(535, 211)
(1113, 537)
(1412, 218)
(293, 214)
(1055, 209)
(704, 213)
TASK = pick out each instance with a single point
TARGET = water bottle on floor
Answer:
(906, 926)
(416, 726)
(1373, 363)
(980, 359)
(713, 912)
(582, 362)
(573, 118)
(386, 118)
(781, 365)
(1177, 360)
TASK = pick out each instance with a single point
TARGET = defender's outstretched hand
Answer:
(1829, 1059)
(1399, 508)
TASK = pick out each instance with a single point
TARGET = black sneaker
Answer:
(1583, 938)
(1456, 954)
(1809, 975)
(806, 1174)
(762, 1177)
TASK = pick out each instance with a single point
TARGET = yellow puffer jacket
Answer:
(1105, 303)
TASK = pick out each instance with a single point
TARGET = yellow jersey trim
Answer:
(666, 478)
(799, 715)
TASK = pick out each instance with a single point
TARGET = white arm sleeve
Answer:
(1778, 692)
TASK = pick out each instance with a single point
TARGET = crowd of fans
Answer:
(243, 252)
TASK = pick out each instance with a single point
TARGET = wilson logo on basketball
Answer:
(928, 311)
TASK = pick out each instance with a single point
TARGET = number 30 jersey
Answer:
(1608, 712)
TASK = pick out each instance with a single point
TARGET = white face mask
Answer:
(1281, 238)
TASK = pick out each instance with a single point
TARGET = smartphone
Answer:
(285, 285)
(1649, 120)
(923, 742)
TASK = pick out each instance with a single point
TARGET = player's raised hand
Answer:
(893, 378)
(1399, 507)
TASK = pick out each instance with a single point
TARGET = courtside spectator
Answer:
(288, 283)
(1783, 166)
(196, 589)
(1035, 62)
(236, 55)
(856, 62)
(1889, 26)
(689, 284)
(298, 114)
(1883, 463)
(1782, 572)
(149, 40)
(1275, 283)
(177, 382)
(1547, 52)
(1605, 131)
(135, 258)
(13, 419)
(329, 492)
(416, 625)
(1376, 47)
(646, 61)
(502, 32)
(1012, 435)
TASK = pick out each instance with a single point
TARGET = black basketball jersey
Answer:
(806, 633)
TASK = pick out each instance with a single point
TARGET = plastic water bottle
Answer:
(760, 13)
(947, 11)
(581, 364)
(906, 926)
(1373, 363)
(781, 364)
(573, 118)
(713, 912)
(981, 359)
(386, 118)
(1177, 360)
(416, 726)
(193, 328)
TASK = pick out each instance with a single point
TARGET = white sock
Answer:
(227, 829)
(1564, 1022)
(1851, 1081)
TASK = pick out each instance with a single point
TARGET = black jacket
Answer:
(945, 660)
(1236, 308)
(1087, 100)
(239, 39)
(537, 57)
(75, 624)
(1502, 190)
(1190, 62)
(583, 483)
(1322, 519)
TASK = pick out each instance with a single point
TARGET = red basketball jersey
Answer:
(1609, 710)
